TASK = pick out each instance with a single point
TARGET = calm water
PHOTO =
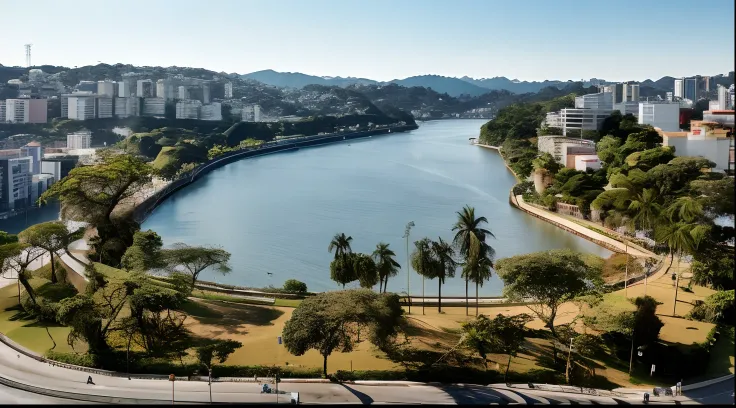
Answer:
(18, 223)
(278, 213)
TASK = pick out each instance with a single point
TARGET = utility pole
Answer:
(631, 359)
(626, 276)
(408, 267)
(677, 284)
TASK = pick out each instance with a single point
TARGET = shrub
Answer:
(523, 188)
(42, 310)
(717, 308)
(293, 285)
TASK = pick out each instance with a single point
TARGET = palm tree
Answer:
(477, 268)
(646, 210)
(424, 262)
(468, 231)
(387, 266)
(444, 253)
(340, 244)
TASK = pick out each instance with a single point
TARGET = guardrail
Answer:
(569, 389)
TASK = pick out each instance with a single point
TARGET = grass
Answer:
(163, 158)
(287, 302)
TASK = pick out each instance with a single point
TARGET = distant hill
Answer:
(515, 86)
(299, 80)
(451, 86)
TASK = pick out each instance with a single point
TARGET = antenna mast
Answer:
(28, 55)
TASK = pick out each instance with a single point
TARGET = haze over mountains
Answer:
(441, 84)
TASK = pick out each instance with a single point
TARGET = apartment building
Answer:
(228, 90)
(212, 111)
(79, 106)
(153, 107)
(679, 88)
(165, 89)
(125, 107)
(79, 140)
(663, 115)
(691, 89)
(630, 92)
(145, 89)
(566, 149)
(35, 151)
(25, 110)
(2, 111)
(104, 107)
(251, 113)
(106, 88)
(183, 92)
(188, 109)
(15, 183)
(705, 139)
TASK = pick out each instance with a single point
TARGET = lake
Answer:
(277, 214)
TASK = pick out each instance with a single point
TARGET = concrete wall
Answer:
(716, 150)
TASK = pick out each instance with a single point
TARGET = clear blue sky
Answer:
(382, 39)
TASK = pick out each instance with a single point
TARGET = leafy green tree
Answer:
(717, 308)
(469, 230)
(342, 270)
(51, 236)
(645, 210)
(385, 263)
(716, 196)
(218, 351)
(477, 267)
(340, 244)
(6, 238)
(145, 253)
(293, 285)
(502, 334)
(17, 257)
(423, 260)
(548, 279)
(160, 329)
(328, 322)
(192, 260)
(92, 194)
(365, 269)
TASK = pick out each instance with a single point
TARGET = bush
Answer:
(717, 308)
(84, 360)
(293, 285)
(42, 310)
(523, 188)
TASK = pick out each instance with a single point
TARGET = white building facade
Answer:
(663, 115)
(565, 149)
(153, 107)
(228, 90)
(251, 113)
(81, 107)
(79, 140)
(16, 180)
(188, 109)
(212, 111)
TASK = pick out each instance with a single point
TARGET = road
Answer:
(24, 370)
(715, 394)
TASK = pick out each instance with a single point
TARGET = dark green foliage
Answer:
(293, 285)
(365, 270)
(717, 308)
(218, 351)
(519, 155)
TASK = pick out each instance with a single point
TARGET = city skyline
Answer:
(381, 40)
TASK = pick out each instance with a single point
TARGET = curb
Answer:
(706, 383)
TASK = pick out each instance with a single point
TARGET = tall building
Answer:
(206, 93)
(680, 88)
(15, 183)
(104, 107)
(2, 111)
(183, 92)
(691, 89)
(228, 90)
(251, 113)
(663, 115)
(35, 151)
(630, 92)
(125, 107)
(212, 111)
(153, 107)
(124, 90)
(79, 140)
(188, 109)
(81, 107)
(614, 90)
(165, 89)
(39, 184)
(87, 86)
(724, 100)
(600, 100)
(145, 88)
(106, 88)
(26, 111)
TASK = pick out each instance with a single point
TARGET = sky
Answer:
(382, 39)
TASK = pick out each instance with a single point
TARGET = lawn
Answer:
(164, 157)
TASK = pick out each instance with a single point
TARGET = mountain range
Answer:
(455, 87)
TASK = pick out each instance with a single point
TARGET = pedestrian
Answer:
(646, 397)
(678, 390)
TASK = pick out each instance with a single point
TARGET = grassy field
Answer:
(163, 158)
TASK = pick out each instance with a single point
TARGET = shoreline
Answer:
(566, 225)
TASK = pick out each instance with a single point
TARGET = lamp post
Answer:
(631, 359)
(407, 231)
(626, 276)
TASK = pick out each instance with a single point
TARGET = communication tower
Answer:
(28, 54)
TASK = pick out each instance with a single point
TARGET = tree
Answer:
(51, 236)
(218, 351)
(293, 285)
(477, 267)
(548, 279)
(17, 257)
(469, 228)
(340, 244)
(503, 335)
(6, 238)
(192, 260)
(365, 270)
(328, 321)
(645, 210)
(92, 194)
(424, 262)
(385, 263)
(717, 308)
(159, 329)
(342, 270)
(444, 254)
(145, 253)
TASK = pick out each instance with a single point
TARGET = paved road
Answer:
(717, 394)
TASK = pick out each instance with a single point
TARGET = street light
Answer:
(407, 231)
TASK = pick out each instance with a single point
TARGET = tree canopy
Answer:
(192, 260)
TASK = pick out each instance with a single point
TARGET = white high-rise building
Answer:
(34, 150)
(212, 111)
(724, 100)
(206, 93)
(2, 111)
(600, 100)
(165, 89)
(663, 115)
(680, 88)
(25, 110)
(79, 140)
(145, 88)
(81, 107)
(124, 90)
(188, 109)
(251, 113)
(183, 92)
(16, 178)
(630, 92)
(228, 90)
(106, 88)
